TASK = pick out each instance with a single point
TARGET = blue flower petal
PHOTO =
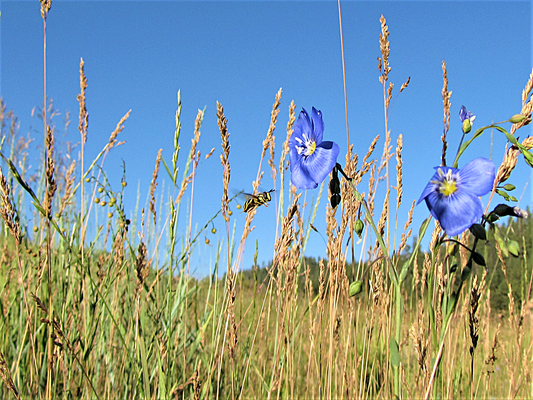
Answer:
(477, 176)
(302, 126)
(300, 176)
(465, 114)
(318, 124)
(322, 161)
(457, 212)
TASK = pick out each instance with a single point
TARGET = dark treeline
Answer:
(519, 269)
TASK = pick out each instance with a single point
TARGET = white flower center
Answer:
(447, 183)
(307, 146)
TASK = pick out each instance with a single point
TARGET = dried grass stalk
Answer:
(153, 185)
(5, 375)
(224, 159)
(83, 123)
(284, 161)
(269, 141)
(69, 182)
(511, 156)
(51, 185)
(446, 94)
(118, 129)
(45, 8)
(8, 210)
(399, 171)
(384, 47)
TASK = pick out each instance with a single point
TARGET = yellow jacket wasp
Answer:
(255, 200)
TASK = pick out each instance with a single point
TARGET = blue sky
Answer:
(138, 54)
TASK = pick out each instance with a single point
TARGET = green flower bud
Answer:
(467, 125)
(515, 119)
(478, 231)
(355, 288)
(509, 187)
(478, 259)
(359, 226)
(452, 249)
(503, 210)
(514, 248)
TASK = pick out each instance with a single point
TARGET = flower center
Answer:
(447, 183)
(307, 146)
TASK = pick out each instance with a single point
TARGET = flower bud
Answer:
(509, 187)
(452, 249)
(467, 126)
(515, 119)
(513, 247)
(359, 226)
(355, 288)
(503, 210)
(478, 231)
(478, 259)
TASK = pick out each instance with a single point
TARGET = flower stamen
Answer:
(447, 183)
(308, 146)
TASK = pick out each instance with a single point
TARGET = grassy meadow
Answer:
(81, 320)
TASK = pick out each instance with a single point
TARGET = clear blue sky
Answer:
(138, 54)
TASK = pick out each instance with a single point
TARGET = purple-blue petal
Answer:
(308, 172)
(322, 161)
(303, 125)
(465, 114)
(456, 212)
(300, 176)
(477, 176)
(318, 125)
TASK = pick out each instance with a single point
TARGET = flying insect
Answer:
(255, 200)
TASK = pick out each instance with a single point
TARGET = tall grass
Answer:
(92, 315)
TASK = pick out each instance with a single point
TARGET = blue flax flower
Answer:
(311, 159)
(452, 195)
